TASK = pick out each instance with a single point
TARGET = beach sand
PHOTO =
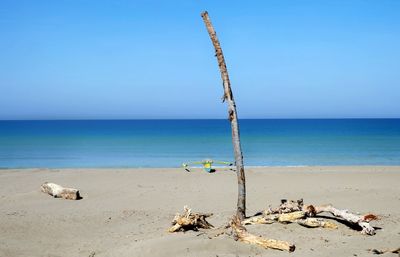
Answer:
(126, 212)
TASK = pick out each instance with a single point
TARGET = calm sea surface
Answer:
(168, 143)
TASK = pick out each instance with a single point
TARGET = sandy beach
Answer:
(126, 212)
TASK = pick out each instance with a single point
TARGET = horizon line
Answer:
(149, 119)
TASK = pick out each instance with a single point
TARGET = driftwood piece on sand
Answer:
(58, 191)
(316, 223)
(287, 212)
(291, 216)
(286, 207)
(190, 221)
(194, 221)
(272, 218)
(362, 221)
(240, 233)
(296, 211)
(299, 217)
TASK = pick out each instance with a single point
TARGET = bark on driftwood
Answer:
(58, 191)
(190, 221)
(241, 234)
(232, 114)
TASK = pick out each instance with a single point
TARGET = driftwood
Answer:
(286, 207)
(195, 221)
(271, 218)
(58, 191)
(286, 212)
(190, 221)
(299, 217)
(291, 216)
(232, 115)
(362, 221)
(240, 233)
(316, 223)
(296, 211)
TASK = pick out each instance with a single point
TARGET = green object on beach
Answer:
(206, 165)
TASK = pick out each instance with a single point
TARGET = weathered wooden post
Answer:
(228, 97)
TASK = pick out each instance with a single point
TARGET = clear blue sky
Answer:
(154, 59)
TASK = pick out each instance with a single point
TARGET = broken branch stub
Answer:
(58, 191)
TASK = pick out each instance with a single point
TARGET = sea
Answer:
(169, 143)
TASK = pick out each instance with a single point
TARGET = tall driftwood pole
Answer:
(228, 97)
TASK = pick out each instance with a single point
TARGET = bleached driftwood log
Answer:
(299, 217)
(271, 218)
(58, 191)
(316, 223)
(291, 216)
(295, 211)
(195, 221)
(362, 221)
(240, 233)
(190, 221)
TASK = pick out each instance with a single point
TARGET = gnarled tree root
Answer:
(190, 221)
(58, 191)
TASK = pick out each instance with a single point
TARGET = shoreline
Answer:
(196, 168)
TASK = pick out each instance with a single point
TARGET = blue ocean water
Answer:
(168, 143)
